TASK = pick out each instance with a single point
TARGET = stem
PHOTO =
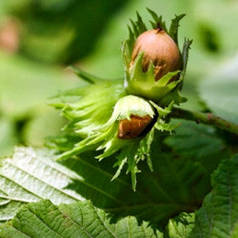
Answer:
(205, 118)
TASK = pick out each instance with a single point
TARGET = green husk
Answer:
(142, 83)
(94, 119)
(94, 111)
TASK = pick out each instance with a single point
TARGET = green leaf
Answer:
(56, 27)
(218, 216)
(31, 175)
(160, 202)
(198, 142)
(84, 75)
(154, 200)
(181, 226)
(38, 177)
(82, 219)
(219, 91)
(26, 84)
(46, 122)
(7, 135)
(190, 91)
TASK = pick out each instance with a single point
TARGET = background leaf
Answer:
(82, 219)
(26, 85)
(31, 175)
(67, 31)
(7, 136)
(181, 226)
(218, 217)
(24, 89)
(155, 199)
(219, 91)
(199, 143)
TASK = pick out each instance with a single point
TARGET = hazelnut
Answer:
(160, 49)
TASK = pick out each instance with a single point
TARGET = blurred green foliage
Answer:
(25, 86)
(65, 30)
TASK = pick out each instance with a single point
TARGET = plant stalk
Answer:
(205, 118)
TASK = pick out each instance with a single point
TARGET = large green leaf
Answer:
(31, 175)
(82, 219)
(155, 199)
(219, 91)
(199, 143)
(218, 217)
